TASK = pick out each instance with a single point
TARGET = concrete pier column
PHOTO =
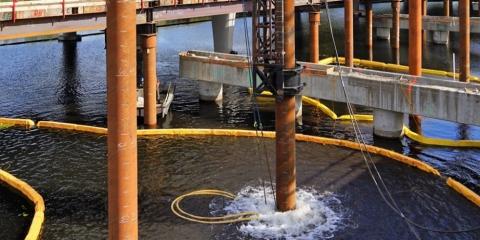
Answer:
(223, 27)
(69, 36)
(387, 123)
(348, 33)
(299, 109)
(383, 33)
(464, 15)
(149, 44)
(438, 37)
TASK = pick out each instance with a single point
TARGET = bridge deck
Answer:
(435, 98)
(45, 17)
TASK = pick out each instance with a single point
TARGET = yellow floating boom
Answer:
(376, 65)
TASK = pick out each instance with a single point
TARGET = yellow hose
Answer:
(231, 218)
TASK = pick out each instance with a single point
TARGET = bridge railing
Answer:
(12, 10)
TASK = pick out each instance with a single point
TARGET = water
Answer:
(66, 82)
(69, 170)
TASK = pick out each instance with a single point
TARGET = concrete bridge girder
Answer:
(434, 98)
(48, 25)
(438, 27)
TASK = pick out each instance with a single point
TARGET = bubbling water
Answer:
(317, 215)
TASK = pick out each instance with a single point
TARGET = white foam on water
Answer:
(317, 216)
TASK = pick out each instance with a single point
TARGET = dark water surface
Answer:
(66, 82)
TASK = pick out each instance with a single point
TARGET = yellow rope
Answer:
(231, 218)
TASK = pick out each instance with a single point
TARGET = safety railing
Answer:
(13, 10)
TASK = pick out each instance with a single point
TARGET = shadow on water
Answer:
(68, 90)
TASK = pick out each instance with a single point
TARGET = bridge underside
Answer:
(23, 28)
(430, 23)
(434, 98)
(57, 24)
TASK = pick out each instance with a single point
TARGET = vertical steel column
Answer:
(464, 15)
(446, 7)
(424, 13)
(149, 44)
(395, 43)
(285, 122)
(415, 37)
(314, 18)
(369, 19)
(415, 48)
(122, 120)
(348, 33)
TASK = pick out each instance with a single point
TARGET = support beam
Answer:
(387, 124)
(314, 18)
(285, 122)
(395, 43)
(348, 33)
(122, 120)
(464, 15)
(369, 19)
(149, 44)
(415, 49)
(223, 27)
(434, 98)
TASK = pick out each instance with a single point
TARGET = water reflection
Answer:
(69, 85)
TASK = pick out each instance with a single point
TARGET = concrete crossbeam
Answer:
(435, 98)
(438, 27)
(430, 23)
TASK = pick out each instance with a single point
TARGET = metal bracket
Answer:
(277, 81)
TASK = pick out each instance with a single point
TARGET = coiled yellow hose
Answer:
(231, 218)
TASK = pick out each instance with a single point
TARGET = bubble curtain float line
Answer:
(457, 186)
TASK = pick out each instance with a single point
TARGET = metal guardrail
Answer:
(17, 9)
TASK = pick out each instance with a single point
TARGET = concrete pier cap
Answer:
(223, 27)
(387, 124)
(69, 36)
